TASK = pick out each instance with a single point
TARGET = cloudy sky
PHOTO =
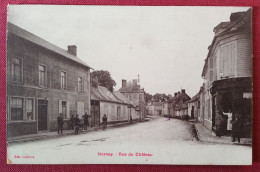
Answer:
(166, 46)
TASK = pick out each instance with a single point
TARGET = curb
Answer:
(46, 137)
(223, 143)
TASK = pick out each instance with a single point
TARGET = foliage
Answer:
(103, 78)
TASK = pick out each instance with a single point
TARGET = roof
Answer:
(158, 103)
(103, 94)
(238, 20)
(194, 98)
(182, 106)
(11, 28)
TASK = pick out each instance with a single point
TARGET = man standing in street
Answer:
(86, 123)
(71, 122)
(77, 121)
(104, 120)
(60, 123)
(236, 127)
(218, 121)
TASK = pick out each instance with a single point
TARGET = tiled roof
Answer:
(103, 94)
(11, 28)
(195, 98)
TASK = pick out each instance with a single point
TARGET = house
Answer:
(227, 71)
(43, 81)
(181, 110)
(114, 104)
(165, 109)
(136, 94)
(194, 107)
(155, 108)
(176, 102)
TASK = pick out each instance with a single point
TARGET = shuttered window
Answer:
(227, 59)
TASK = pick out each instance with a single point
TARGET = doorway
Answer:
(42, 114)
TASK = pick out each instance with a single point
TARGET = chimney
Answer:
(123, 83)
(178, 93)
(72, 49)
(182, 90)
(175, 94)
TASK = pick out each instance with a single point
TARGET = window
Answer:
(80, 85)
(42, 75)
(16, 109)
(29, 109)
(16, 69)
(63, 80)
(118, 111)
(64, 109)
(227, 60)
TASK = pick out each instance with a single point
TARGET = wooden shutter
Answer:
(60, 107)
(67, 110)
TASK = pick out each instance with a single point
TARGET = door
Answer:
(192, 112)
(42, 114)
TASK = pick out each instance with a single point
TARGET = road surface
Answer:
(158, 141)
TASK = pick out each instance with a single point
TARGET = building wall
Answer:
(165, 109)
(138, 99)
(31, 56)
(111, 110)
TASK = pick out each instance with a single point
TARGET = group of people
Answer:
(74, 122)
(232, 122)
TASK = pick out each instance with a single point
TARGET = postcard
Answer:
(129, 85)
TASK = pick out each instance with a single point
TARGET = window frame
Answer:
(33, 109)
(45, 75)
(82, 87)
(21, 70)
(65, 80)
(10, 109)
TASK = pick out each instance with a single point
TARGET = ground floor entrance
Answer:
(230, 98)
(42, 114)
(95, 113)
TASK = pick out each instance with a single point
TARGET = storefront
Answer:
(234, 95)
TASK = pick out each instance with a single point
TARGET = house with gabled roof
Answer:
(43, 81)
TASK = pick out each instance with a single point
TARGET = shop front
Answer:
(231, 97)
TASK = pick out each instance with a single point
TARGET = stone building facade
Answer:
(136, 95)
(227, 71)
(43, 81)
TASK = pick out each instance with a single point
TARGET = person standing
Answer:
(60, 123)
(236, 127)
(218, 121)
(77, 122)
(86, 123)
(104, 120)
(71, 122)
(229, 118)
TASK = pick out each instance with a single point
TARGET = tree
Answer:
(103, 78)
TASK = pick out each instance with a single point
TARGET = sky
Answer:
(166, 46)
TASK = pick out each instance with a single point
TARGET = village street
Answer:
(166, 141)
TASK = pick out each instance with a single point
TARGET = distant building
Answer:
(181, 110)
(227, 71)
(194, 107)
(136, 94)
(176, 102)
(43, 81)
(165, 109)
(114, 104)
(155, 108)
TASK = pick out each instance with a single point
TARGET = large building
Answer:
(227, 71)
(43, 81)
(136, 94)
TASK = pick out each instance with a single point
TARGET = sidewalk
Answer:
(49, 135)
(206, 136)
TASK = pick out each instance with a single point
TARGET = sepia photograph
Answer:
(165, 85)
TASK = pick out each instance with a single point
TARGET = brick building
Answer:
(43, 80)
